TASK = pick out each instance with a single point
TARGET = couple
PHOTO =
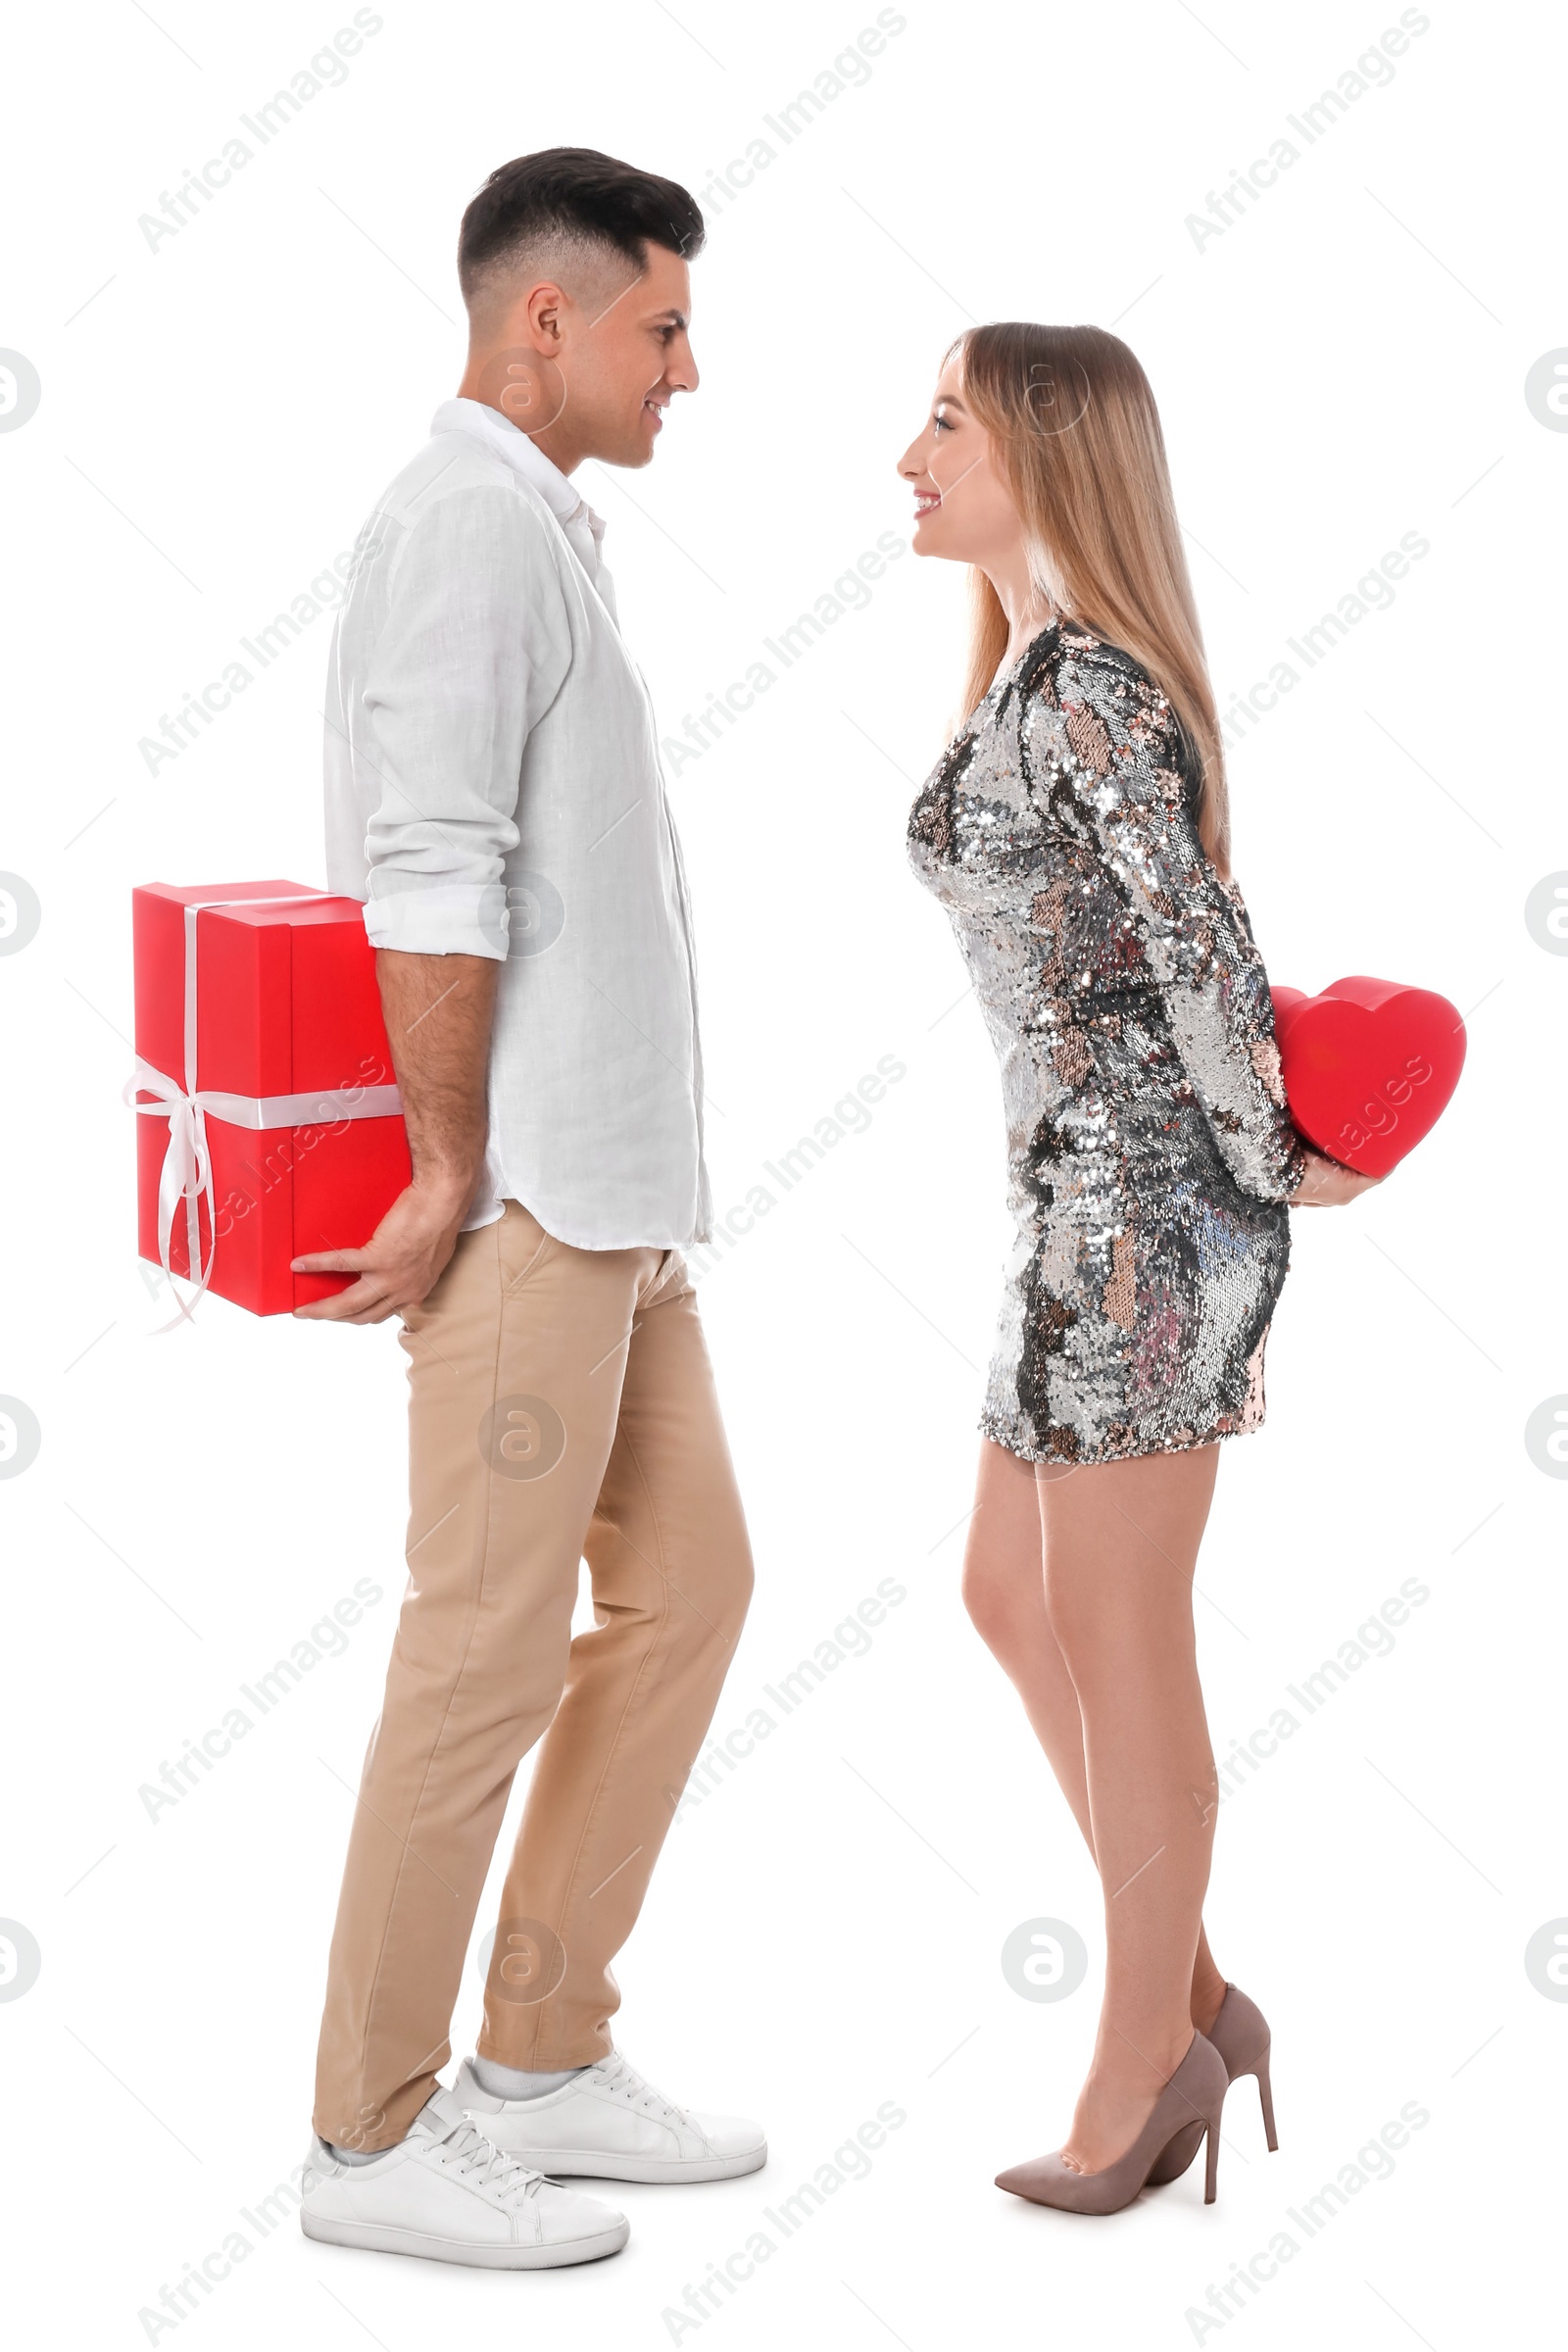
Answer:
(494, 796)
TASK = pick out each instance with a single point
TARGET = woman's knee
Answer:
(999, 1605)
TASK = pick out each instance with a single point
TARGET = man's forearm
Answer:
(438, 1011)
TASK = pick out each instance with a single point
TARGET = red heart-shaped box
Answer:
(1369, 1067)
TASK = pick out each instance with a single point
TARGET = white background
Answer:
(1344, 365)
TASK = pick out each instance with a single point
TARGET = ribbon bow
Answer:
(186, 1174)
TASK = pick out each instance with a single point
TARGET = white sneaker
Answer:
(450, 2193)
(608, 2123)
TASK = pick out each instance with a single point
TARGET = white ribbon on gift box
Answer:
(187, 1170)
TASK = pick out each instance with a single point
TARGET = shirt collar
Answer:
(525, 457)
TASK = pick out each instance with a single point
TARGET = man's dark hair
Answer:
(573, 192)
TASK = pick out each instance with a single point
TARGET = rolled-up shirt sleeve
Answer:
(475, 646)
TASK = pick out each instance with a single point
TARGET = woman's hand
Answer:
(1328, 1185)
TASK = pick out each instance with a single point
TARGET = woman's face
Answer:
(963, 509)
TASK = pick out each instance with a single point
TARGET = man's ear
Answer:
(542, 312)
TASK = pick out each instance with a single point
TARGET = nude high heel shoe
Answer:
(1240, 2035)
(1188, 2104)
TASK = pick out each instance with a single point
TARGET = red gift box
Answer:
(270, 1123)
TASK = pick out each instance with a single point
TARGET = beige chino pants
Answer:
(561, 1407)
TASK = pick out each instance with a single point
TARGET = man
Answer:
(493, 795)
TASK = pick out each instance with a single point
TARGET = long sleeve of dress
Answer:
(1109, 738)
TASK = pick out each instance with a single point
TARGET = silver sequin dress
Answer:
(1149, 1153)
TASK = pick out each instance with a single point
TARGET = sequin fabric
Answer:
(1149, 1153)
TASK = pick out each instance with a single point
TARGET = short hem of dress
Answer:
(1133, 1454)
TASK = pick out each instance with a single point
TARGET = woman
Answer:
(1075, 828)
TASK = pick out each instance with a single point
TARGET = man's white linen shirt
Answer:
(494, 787)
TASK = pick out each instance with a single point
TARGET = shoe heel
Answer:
(1265, 2095)
(1212, 2160)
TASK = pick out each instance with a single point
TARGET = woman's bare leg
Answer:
(1004, 1592)
(1121, 1543)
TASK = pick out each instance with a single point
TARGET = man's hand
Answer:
(399, 1265)
(438, 1012)
(1329, 1185)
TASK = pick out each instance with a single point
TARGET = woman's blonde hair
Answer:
(1073, 421)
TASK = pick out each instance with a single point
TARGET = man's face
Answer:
(588, 371)
(624, 352)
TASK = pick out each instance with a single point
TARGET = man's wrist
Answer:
(448, 1190)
